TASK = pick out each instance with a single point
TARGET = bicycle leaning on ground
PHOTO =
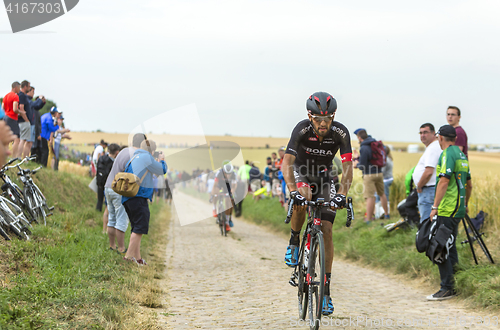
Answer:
(12, 216)
(309, 274)
(34, 199)
(12, 191)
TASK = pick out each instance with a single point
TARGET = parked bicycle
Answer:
(309, 274)
(12, 191)
(19, 208)
(34, 198)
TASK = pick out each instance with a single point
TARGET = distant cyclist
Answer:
(307, 170)
(224, 182)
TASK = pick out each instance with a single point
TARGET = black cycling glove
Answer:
(298, 199)
(339, 201)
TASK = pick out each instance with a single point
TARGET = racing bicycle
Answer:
(221, 211)
(309, 276)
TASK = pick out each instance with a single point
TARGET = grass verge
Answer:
(66, 278)
(395, 251)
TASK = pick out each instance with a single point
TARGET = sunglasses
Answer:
(319, 119)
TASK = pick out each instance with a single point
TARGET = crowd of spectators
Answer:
(34, 134)
(438, 187)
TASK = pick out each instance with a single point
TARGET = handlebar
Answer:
(350, 210)
(7, 167)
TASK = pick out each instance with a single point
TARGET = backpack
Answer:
(435, 240)
(104, 165)
(127, 184)
(425, 233)
(440, 245)
(479, 220)
(379, 156)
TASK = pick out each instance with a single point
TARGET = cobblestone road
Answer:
(241, 282)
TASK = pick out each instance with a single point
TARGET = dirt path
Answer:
(241, 282)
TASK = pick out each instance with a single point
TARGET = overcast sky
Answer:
(249, 66)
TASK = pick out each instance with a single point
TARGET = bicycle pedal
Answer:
(292, 282)
(49, 214)
(51, 208)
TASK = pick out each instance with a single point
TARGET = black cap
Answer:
(448, 131)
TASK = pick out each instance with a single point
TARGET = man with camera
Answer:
(117, 217)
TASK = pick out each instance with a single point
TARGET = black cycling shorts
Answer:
(322, 186)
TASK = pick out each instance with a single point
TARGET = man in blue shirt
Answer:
(143, 165)
(48, 128)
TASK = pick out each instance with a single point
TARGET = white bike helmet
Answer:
(227, 166)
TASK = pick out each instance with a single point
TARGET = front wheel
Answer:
(317, 279)
(303, 290)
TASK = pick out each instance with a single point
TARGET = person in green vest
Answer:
(244, 173)
(453, 190)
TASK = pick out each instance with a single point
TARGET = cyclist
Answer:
(225, 181)
(307, 170)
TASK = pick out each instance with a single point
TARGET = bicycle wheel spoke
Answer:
(317, 280)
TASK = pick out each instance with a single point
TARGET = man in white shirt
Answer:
(98, 152)
(424, 176)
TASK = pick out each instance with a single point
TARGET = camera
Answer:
(156, 155)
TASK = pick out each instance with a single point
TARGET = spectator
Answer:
(267, 174)
(24, 119)
(35, 107)
(240, 196)
(453, 117)
(136, 207)
(388, 177)
(281, 187)
(424, 176)
(168, 191)
(454, 187)
(244, 174)
(6, 136)
(11, 106)
(37, 140)
(117, 216)
(58, 136)
(98, 152)
(336, 172)
(409, 209)
(373, 179)
(255, 177)
(47, 132)
(104, 165)
(275, 181)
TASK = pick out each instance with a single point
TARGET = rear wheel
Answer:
(29, 199)
(223, 224)
(317, 280)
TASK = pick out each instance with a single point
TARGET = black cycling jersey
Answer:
(314, 157)
(221, 182)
